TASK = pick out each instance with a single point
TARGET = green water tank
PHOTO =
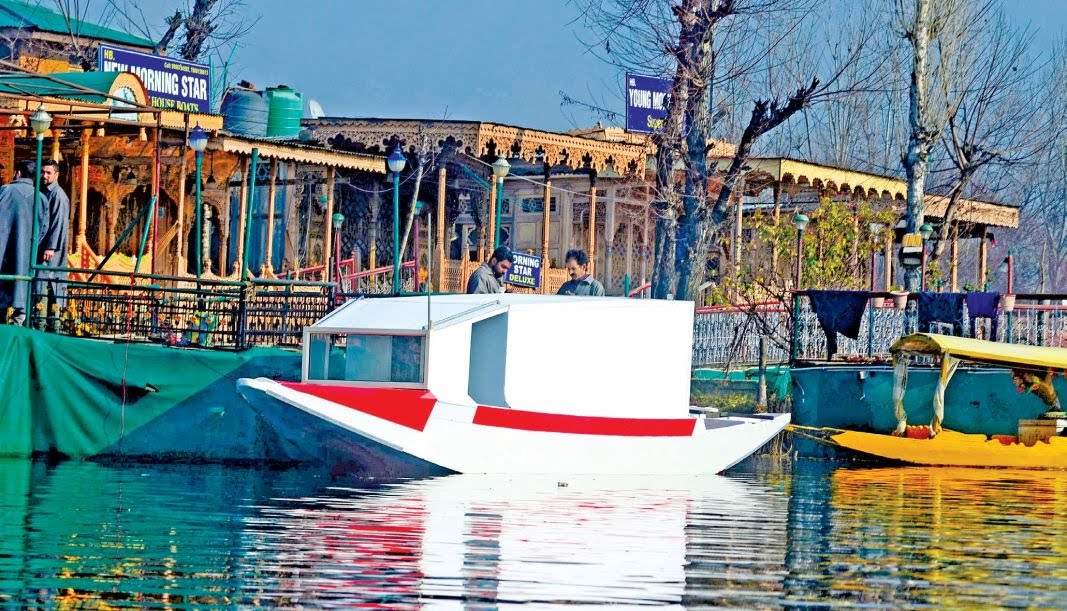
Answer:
(285, 109)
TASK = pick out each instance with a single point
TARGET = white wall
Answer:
(600, 357)
(449, 357)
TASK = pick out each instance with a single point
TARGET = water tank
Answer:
(286, 109)
(244, 111)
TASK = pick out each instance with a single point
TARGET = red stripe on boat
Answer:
(408, 407)
(583, 425)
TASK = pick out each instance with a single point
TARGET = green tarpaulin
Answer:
(82, 397)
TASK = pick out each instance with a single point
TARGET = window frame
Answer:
(305, 360)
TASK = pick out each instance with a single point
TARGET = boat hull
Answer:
(409, 431)
(947, 449)
(979, 400)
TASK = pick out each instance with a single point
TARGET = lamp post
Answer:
(40, 121)
(501, 167)
(800, 221)
(396, 163)
(926, 230)
(198, 142)
(338, 221)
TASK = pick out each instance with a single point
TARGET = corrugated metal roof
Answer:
(39, 86)
(19, 14)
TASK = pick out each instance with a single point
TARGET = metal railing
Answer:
(730, 335)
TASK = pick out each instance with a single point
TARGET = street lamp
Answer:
(396, 163)
(800, 221)
(198, 142)
(501, 167)
(1007, 266)
(40, 121)
(925, 230)
(338, 221)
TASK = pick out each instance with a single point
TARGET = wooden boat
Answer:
(1037, 443)
(508, 383)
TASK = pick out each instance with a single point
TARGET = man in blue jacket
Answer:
(16, 233)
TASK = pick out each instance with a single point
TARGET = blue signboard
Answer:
(525, 271)
(172, 84)
(646, 98)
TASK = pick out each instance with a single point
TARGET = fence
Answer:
(730, 335)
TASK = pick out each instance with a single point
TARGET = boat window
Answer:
(366, 358)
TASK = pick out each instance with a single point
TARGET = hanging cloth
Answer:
(948, 368)
(900, 384)
(983, 305)
(838, 312)
(941, 307)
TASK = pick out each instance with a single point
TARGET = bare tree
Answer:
(998, 124)
(938, 32)
(710, 46)
(198, 28)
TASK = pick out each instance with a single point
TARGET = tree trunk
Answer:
(919, 140)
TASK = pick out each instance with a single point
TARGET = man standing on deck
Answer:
(55, 233)
(581, 283)
(16, 233)
(486, 279)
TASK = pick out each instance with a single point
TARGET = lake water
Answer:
(769, 534)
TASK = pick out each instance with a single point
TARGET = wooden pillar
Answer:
(566, 223)
(591, 248)
(736, 250)
(375, 205)
(83, 198)
(439, 225)
(155, 193)
(272, 193)
(983, 257)
(954, 259)
(630, 251)
(609, 241)
(546, 227)
(777, 222)
(327, 240)
(888, 259)
(182, 175)
(646, 248)
(241, 214)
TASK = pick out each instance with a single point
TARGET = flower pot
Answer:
(1007, 303)
(877, 302)
(900, 300)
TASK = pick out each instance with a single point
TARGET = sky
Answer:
(503, 61)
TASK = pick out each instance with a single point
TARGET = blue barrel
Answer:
(244, 111)
(286, 110)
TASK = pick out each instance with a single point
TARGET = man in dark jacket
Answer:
(581, 283)
(486, 279)
(55, 233)
(16, 233)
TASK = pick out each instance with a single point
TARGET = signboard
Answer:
(525, 271)
(172, 84)
(646, 97)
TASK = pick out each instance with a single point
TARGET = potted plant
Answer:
(900, 297)
(1007, 302)
(877, 301)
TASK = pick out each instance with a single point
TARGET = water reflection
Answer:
(768, 536)
(929, 536)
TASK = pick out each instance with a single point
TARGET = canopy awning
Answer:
(982, 351)
(300, 153)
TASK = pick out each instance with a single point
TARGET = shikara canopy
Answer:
(982, 351)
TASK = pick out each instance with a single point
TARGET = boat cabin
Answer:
(591, 356)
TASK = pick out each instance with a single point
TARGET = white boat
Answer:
(507, 383)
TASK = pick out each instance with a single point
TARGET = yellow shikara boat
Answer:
(1038, 444)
